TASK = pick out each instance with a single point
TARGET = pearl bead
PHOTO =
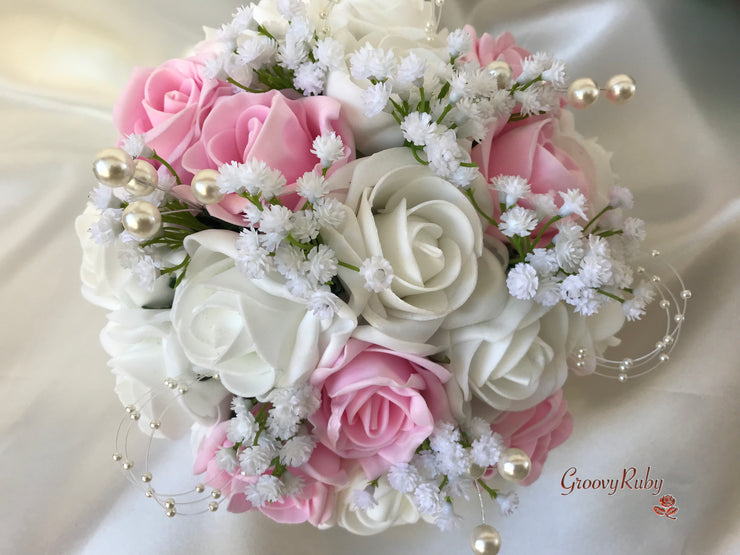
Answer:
(628, 362)
(146, 477)
(582, 93)
(580, 364)
(129, 409)
(664, 358)
(134, 416)
(514, 465)
(678, 318)
(216, 493)
(655, 253)
(685, 294)
(501, 71)
(213, 506)
(476, 471)
(664, 304)
(169, 503)
(205, 189)
(169, 382)
(655, 279)
(640, 270)
(620, 89)
(128, 465)
(660, 345)
(668, 339)
(149, 492)
(117, 457)
(155, 424)
(142, 220)
(622, 377)
(144, 180)
(113, 167)
(200, 488)
(170, 512)
(183, 389)
(485, 540)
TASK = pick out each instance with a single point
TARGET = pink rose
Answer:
(205, 461)
(271, 127)
(378, 405)
(486, 49)
(322, 475)
(168, 104)
(537, 430)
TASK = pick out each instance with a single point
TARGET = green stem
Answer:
(597, 216)
(492, 492)
(167, 165)
(616, 298)
(348, 265)
(489, 219)
(542, 231)
(444, 113)
(243, 87)
(415, 150)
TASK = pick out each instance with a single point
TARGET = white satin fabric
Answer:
(676, 146)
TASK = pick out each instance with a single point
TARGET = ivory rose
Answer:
(253, 332)
(378, 405)
(168, 104)
(143, 353)
(536, 431)
(392, 508)
(274, 127)
(425, 227)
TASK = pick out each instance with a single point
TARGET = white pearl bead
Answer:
(216, 493)
(664, 304)
(183, 389)
(664, 358)
(485, 540)
(149, 492)
(620, 89)
(514, 465)
(170, 512)
(678, 318)
(628, 362)
(146, 477)
(622, 377)
(200, 488)
(204, 187)
(476, 471)
(654, 253)
(213, 506)
(134, 416)
(582, 93)
(685, 294)
(155, 424)
(128, 465)
(144, 180)
(169, 503)
(142, 220)
(113, 167)
(668, 339)
(501, 71)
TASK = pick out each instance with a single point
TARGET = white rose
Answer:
(143, 353)
(509, 353)
(393, 508)
(425, 227)
(253, 332)
(105, 282)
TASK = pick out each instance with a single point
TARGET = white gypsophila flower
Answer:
(378, 273)
(598, 246)
(447, 520)
(574, 201)
(633, 309)
(459, 42)
(242, 429)
(569, 253)
(477, 428)
(257, 51)
(375, 98)
(444, 433)
(322, 263)
(458, 86)
(135, 145)
(251, 214)
(363, 499)
(305, 226)
(418, 128)
(311, 186)
(231, 178)
(293, 485)
(258, 178)
(282, 423)
(443, 153)
(481, 83)
(215, 67)
(533, 66)
(165, 183)
(145, 272)
(508, 502)
(577, 294)
(645, 292)
(453, 459)
(568, 231)
(329, 53)
(101, 197)
(531, 101)
(305, 400)
(544, 205)
(290, 261)
(544, 261)
(463, 176)
(240, 406)
(372, 63)
(329, 212)
(276, 220)
(108, 227)
(267, 489)
(242, 20)
(522, 281)
(513, 187)
(226, 459)
(411, 70)
(403, 477)
(291, 9)
(460, 487)
(328, 148)
(297, 450)
(428, 498)
(292, 53)
(622, 274)
(556, 73)
(310, 78)
(621, 197)
(425, 463)
(300, 286)
(518, 221)
(254, 460)
(253, 260)
(324, 304)
(486, 450)
(634, 229)
(548, 291)
(595, 270)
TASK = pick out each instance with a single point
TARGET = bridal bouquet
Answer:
(356, 259)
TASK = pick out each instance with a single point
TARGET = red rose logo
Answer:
(667, 507)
